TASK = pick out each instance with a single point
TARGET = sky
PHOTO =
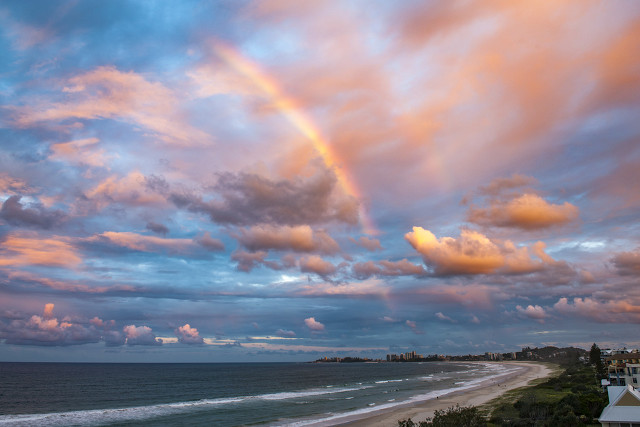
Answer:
(216, 181)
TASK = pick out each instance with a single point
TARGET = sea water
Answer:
(223, 394)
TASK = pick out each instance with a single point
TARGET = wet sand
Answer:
(482, 393)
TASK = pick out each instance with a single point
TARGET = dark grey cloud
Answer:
(247, 199)
(15, 213)
(627, 263)
(157, 228)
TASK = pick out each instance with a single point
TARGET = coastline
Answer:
(478, 395)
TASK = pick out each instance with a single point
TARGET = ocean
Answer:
(222, 394)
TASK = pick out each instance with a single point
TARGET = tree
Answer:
(596, 360)
(594, 354)
(458, 416)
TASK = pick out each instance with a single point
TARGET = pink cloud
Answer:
(143, 243)
(107, 93)
(313, 324)
(140, 335)
(81, 151)
(414, 327)
(247, 261)
(371, 288)
(210, 243)
(533, 312)
(47, 330)
(477, 296)
(444, 317)
(127, 190)
(315, 264)
(11, 185)
(387, 268)
(188, 335)
(284, 333)
(368, 243)
(614, 311)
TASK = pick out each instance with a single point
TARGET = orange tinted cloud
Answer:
(528, 212)
(475, 253)
(28, 249)
(297, 238)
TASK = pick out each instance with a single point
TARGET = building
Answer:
(624, 369)
(623, 409)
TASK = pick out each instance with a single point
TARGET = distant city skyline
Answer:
(219, 181)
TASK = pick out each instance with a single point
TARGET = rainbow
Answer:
(288, 108)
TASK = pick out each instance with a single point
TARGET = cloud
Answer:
(299, 238)
(247, 261)
(372, 288)
(157, 228)
(210, 243)
(475, 253)
(527, 212)
(368, 243)
(108, 93)
(313, 324)
(445, 318)
(533, 312)
(140, 335)
(47, 330)
(501, 186)
(414, 327)
(81, 151)
(614, 311)
(48, 310)
(26, 280)
(30, 249)
(472, 296)
(129, 190)
(627, 263)
(248, 199)
(36, 216)
(188, 335)
(404, 267)
(315, 264)
(12, 185)
(284, 333)
(139, 242)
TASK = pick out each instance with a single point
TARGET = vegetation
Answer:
(572, 398)
(596, 361)
(457, 416)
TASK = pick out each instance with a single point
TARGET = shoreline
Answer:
(477, 395)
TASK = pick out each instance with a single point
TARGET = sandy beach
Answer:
(482, 393)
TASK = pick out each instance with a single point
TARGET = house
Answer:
(624, 369)
(623, 409)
